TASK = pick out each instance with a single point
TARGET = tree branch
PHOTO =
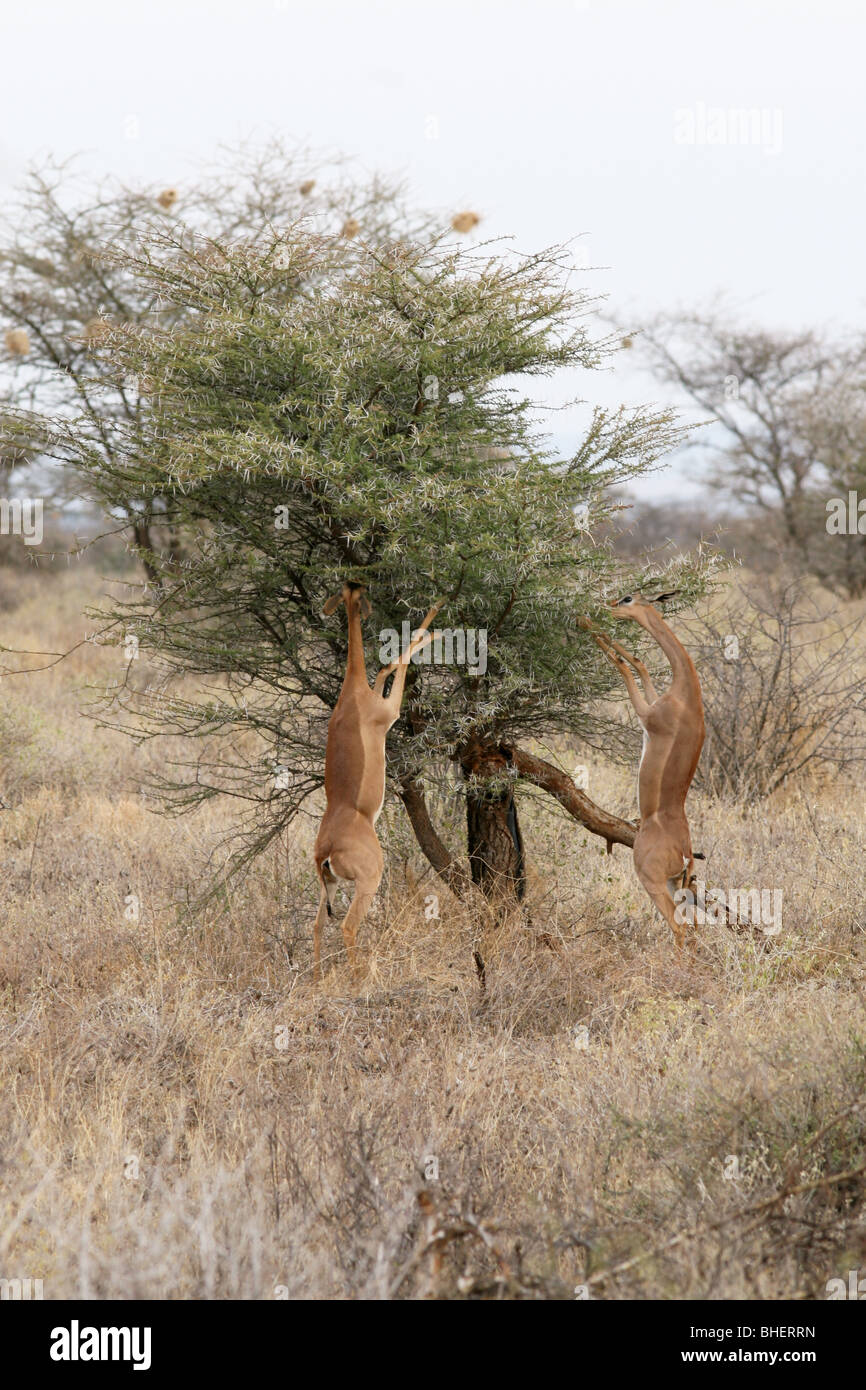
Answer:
(559, 785)
(436, 853)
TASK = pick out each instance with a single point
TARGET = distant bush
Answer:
(783, 688)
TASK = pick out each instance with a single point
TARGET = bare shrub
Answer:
(783, 688)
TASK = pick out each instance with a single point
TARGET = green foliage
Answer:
(314, 407)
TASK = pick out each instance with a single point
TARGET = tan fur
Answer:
(673, 726)
(347, 845)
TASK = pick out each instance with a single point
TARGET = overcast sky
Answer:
(551, 119)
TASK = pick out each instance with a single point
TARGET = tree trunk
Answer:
(436, 853)
(141, 535)
(494, 840)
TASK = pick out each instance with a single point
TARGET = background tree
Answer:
(788, 428)
(316, 406)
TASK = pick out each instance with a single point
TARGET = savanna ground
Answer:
(184, 1114)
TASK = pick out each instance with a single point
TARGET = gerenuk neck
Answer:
(356, 666)
(685, 677)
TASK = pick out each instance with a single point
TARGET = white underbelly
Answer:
(640, 764)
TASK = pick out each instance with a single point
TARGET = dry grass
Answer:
(184, 1115)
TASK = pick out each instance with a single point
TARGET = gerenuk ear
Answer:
(331, 605)
(661, 598)
(366, 606)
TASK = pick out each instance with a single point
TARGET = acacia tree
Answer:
(319, 406)
(62, 294)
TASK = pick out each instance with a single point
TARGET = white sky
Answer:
(554, 119)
